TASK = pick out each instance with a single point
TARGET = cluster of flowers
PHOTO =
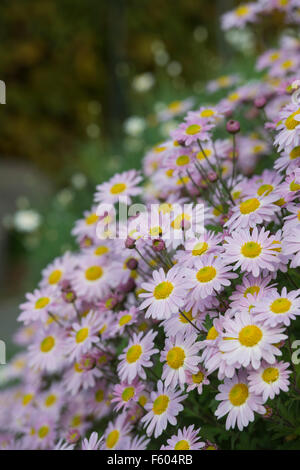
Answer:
(124, 336)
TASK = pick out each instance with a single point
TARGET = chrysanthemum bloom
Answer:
(86, 228)
(292, 221)
(238, 402)
(276, 308)
(138, 443)
(58, 270)
(291, 247)
(269, 379)
(126, 393)
(253, 211)
(289, 127)
(195, 248)
(181, 355)
(94, 277)
(185, 439)
(93, 443)
(47, 351)
(196, 380)
(289, 160)
(165, 293)
(255, 286)
(192, 130)
(82, 336)
(38, 305)
(252, 252)
(121, 184)
(209, 275)
(245, 13)
(163, 407)
(136, 356)
(77, 378)
(180, 323)
(247, 341)
(116, 434)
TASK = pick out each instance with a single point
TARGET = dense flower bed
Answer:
(181, 329)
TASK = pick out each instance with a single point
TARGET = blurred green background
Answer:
(77, 72)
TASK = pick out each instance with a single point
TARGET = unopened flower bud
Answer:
(260, 102)
(233, 127)
(73, 436)
(212, 176)
(158, 244)
(130, 243)
(132, 264)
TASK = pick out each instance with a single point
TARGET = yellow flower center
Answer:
(99, 396)
(91, 219)
(82, 335)
(206, 153)
(43, 432)
(212, 334)
(281, 305)
(270, 375)
(163, 290)
(76, 421)
(50, 400)
(93, 273)
(142, 400)
(125, 319)
(200, 248)
(175, 106)
(292, 123)
(250, 335)
(198, 378)
(160, 405)
(265, 189)
(155, 231)
(206, 274)
(251, 290)
(206, 113)
(47, 344)
(55, 276)
(101, 250)
(193, 129)
(177, 222)
(182, 445)
(251, 205)
(242, 10)
(118, 188)
(128, 393)
(251, 249)
(134, 353)
(295, 153)
(112, 438)
(27, 399)
(175, 357)
(238, 394)
(42, 302)
(183, 160)
(187, 315)
(294, 186)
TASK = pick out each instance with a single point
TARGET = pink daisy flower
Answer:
(252, 252)
(136, 356)
(238, 18)
(126, 393)
(276, 308)
(163, 407)
(247, 341)
(238, 402)
(181, 355)
(47, 351)
(82, 336)
(291, 247)
(38, 305)
(121, 184)
(288, 127)
(116, 434)
(269, 380)
(165, 293)
(209, 276)
(93, 443)
(253, 211)
(186, 439)
(197, 380)
(192, 130)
